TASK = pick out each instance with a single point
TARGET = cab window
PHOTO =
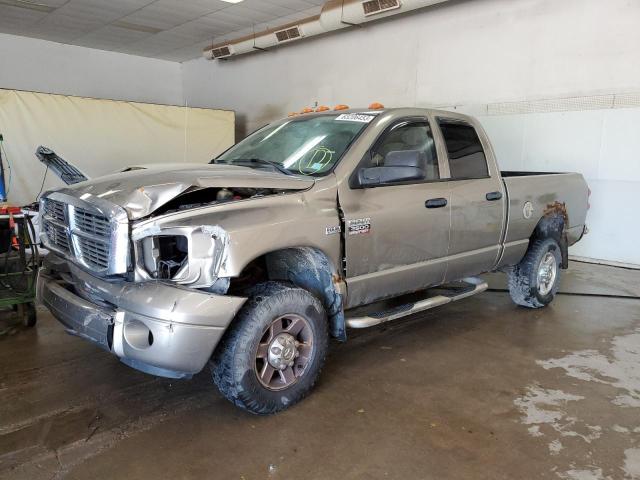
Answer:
(408, 136)
(466, 156)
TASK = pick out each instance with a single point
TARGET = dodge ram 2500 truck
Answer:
(310, 225)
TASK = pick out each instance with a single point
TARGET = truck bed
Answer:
(565, 193)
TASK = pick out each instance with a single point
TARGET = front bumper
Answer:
(155, 327)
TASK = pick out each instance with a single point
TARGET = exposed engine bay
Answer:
(145, 228)
(204, 197)
(191, 255)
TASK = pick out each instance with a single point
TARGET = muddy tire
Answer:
(534, 282)
(272, 354)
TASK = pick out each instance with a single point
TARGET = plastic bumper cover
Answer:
(154, 327)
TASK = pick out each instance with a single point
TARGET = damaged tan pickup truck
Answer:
(310, 225)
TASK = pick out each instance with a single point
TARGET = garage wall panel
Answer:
(563, 141)
(603, 145)
(102, 136)
(40, 66)
(456, 53)
(621, 146)
(613, 223)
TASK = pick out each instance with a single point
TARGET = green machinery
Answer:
(19, 261)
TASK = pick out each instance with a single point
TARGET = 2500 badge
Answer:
(359, 226)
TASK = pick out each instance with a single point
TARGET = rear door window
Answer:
(465, 152)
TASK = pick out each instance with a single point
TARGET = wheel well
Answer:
(305, 267)
(553, 225)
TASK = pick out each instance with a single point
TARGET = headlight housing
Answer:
(165, 257)
(193, 256)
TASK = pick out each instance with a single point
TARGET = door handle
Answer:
(491, 196)
(436, 203)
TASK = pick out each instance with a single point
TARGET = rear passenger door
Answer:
(477, 200)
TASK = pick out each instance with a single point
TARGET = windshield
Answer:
(307, 146)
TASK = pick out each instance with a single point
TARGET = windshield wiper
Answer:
(262, 161)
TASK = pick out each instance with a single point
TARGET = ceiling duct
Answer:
(335, 15)
(372, 7)
(223, 51)
(288, 34)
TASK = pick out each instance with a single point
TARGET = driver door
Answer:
(396, 236)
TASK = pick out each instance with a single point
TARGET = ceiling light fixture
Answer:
(233, 1)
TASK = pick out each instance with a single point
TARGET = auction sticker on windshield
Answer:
(355, 117)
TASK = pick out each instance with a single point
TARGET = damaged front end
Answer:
(123, 285)
(171, 245)
(190, 256)
(155, 327)
(157, 190)
(138, 262)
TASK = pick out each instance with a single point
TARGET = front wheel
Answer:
(273, 352)
(535, 280)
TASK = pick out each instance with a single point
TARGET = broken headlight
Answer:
(192, 256)
(165, 256)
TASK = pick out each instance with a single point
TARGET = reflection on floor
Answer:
(475, 389)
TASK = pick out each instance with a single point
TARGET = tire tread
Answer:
(520, 275)
(239, 333)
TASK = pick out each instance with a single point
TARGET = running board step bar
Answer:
(466, 288)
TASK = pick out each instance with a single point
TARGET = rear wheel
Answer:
(273, 353)
(534, 281)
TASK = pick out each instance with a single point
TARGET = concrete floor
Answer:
(476, 389)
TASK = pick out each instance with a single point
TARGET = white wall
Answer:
(470, 55)
(478, 51)
(604, 146)
(40, 66)
(101, 136)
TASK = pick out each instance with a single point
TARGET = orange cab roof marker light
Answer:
(376, 106)
(322, 108)
(341, 107)
(293, 114)
(307, 110)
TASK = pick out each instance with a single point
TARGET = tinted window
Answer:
(408, 136)
(466, 156)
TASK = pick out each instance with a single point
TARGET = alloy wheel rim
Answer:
(547, 273)
(284, 352)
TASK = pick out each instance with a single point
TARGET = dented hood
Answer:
(145, 188)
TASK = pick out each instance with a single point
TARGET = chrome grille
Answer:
(55, 209)
(95, 253)
(94, 234)
(57, 236)
(92, 223)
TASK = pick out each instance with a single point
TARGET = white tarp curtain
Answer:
(101, 136)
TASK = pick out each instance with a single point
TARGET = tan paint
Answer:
(399, 246)
(374, 268)
(408, 247)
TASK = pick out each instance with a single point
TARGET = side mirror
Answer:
(400, 166)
